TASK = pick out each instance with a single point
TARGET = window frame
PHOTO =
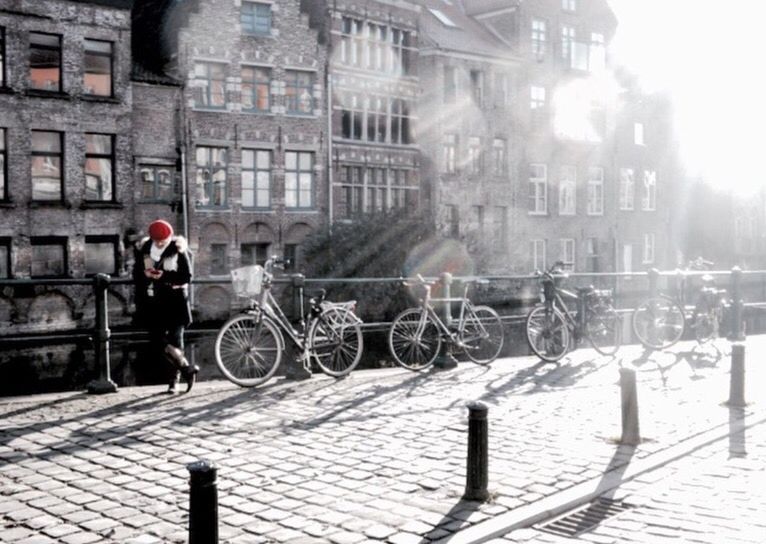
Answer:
(255, 83)
(62, 168)
(109, 55)
(539, 251)
(256, 170)
(649, 194)
(6, 242)
(61, 241)
(538, 37)
(569, 5)
(567, 245)
(627, 194)
(155, 168)
(207, 89)
(478, 90)
(535, 195)
(112, 239)
(253, 6)
(499, 156)
(537, 98)
(449, 153)
(648, 253)
(568, 183)
(224, 265)
(475, 157)
(298, 171)
(292, 82)
(595, 186)
(209, 184)
(111, 156)
(59, 49)
(254, 246)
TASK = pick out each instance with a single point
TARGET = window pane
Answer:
(98, 68)
(98, 179)
(247, 158)
(100, 258)
(247, 190)
(264, 160)
(305, 161)
(98, 144)
(45, 62)
(46, 178)
(291, 160)
(46, 141)
(4, 260)
(48, 260)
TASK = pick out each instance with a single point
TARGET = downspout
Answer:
(329, 151)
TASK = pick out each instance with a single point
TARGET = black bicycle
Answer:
(553, 329)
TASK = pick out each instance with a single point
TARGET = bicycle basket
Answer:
(247, 280)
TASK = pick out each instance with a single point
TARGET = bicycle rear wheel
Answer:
(603, 328)
(547, 333)
(705, 322)
(482, 335)
(248, 351)
(658, 322)
(414, 339)
(335, 341)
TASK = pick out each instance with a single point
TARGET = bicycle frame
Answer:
(429, 309)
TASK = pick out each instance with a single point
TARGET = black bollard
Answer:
(203, 502)
(737, 378)
(446, 358)
(629, 403)
(738, 306)
(101, 335)
(478, 453)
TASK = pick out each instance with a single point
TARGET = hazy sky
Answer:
(710, 57)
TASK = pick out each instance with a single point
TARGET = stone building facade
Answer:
(66, 193)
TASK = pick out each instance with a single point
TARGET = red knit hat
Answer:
(160, 230)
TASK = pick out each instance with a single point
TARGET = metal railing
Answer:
(100, 334)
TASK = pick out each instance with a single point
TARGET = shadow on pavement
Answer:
(737, 439)
(460, 512)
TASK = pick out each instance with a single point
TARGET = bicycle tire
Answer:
(704, 322)
(335, 341)
(603, 328)
(408, 350)
(658, 322)
(547, 333)
(247, 352)
(482, 335)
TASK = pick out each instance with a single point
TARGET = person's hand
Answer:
(153, 273)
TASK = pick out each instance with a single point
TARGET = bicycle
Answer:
(249, 346)
(553, 329)
(416, 334)
(661, 321)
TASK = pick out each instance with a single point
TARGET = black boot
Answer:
(190, 375)
(173, 383)
(189, 372)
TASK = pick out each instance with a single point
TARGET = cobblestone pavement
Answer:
(376, 457)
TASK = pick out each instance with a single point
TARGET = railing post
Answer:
(629, 407)
(101, 334)
(203, 502)
(737, 306)
(446, 360)
(477, 463)
(654, 280)
(295, 369)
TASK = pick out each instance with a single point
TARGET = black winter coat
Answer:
(168, 305)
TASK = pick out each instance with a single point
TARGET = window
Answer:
(352, 118)
(502, 91)
(648, 248)
(537, 96)
(478, 219)
(453, 216)
(352, 41)
(449, 165)
(567, 39)
(256, 83)
(5, 258)
(569, 5)
(377, 189)
(474, 155)
(499, 167)
(400, 121)
(101, 255)
(649, 197)
(2, 57)
(255, 18)
(97, 79)
(157, 183)
(567, 253)
(47, 165)
(538, 189)
(501, 225)
(401, 51)
(352, 195)
(45, 62)
(209, 85)
(218, 265)
(376, 119)
(376, 47)
(99, 167)
(49, 257)
(627, 188)
(256, 178)
(450, 84)
(299, 179)
(256, 253)
(568, 190)
(591, 254)
(211, 177)
(291, 256)
(638, 133)
(3, 167)
(299, 92)
(477, 87)
(538, 38)
(538, 255)
(595, 190)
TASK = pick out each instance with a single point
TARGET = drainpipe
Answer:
(329, 150)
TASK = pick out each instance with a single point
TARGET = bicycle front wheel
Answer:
(705, 322)
(658, 322)
(414, 339)
(482, 335)
(603, 328)
(547, 333)
(247, 350)
(335, 341)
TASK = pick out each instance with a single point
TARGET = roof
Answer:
(445, 26)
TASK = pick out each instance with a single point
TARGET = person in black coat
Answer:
(162, 273)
